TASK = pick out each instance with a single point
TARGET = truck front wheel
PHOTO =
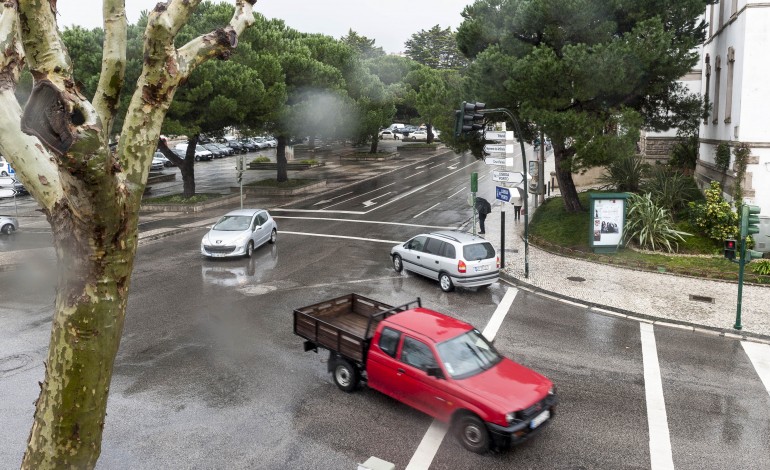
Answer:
(473, 434)
(345, 376)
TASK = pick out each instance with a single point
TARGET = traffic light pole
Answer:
(524, 164)
(741, 266)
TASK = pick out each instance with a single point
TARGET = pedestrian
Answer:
(483, 207)
(516, 208)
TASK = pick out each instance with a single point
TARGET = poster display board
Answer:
(608, 217)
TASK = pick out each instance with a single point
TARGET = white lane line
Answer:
(323, 235)
(430, 443)
(332, 198)
(426, 210)
(657, 421)
(415, 174)
(419, 188)
(434, 166)
(455, 194)
(760, 357)
(364, 194)
(437, 227)
(316, 211)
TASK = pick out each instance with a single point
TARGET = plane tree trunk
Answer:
(280, 159)
(90, 194)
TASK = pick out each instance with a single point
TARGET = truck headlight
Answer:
(510, 417)
(552, 391)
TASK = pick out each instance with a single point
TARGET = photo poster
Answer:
(608, 221)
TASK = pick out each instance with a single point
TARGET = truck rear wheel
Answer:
(472, 434)
(345, 375)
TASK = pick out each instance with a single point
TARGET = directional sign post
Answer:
(498, 148)
(7, 192)
(507, 177)
(502, 194)
(7, 181)
(498, 135)
(499, 161)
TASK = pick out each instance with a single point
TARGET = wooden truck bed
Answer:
(343, 325)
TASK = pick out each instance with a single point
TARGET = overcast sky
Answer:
(389, 22)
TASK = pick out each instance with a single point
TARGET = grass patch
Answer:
(419, 146)
(261, 160)
(555, 230)
(309, 161)
(179, 199)
(272, 183)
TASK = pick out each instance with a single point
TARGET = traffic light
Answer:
(749, 220)
(730, 247)
(468, 118)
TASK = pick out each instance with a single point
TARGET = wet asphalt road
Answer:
(210, 375)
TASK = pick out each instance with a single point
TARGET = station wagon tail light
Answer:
(498, 262)
(461, 266)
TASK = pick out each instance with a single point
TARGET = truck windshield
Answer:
(467, 355)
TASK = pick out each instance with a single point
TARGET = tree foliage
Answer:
(588, 73)
(435, 48)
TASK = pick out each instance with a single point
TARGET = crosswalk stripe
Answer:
(660, 441)
(759, 354)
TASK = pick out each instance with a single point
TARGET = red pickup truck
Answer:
(435, 363)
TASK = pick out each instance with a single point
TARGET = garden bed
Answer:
(270, 187)
(368, 157)
(289, 166)
(198, 203)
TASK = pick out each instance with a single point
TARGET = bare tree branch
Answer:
(107, 97)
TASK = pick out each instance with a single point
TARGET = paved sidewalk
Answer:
(660, 297)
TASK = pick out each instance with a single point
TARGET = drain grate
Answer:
(702, 298)
(576, 279)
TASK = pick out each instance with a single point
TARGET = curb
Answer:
(639, 317)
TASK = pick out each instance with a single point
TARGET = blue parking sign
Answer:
(502, 194)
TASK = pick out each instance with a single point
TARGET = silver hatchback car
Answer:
(453, 258)
(238, 233)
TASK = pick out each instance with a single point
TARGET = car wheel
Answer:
(445, 282)
(473, 434)
(197, 158)
(273, 236)
(4, 173)
(250, 249)
(8, 229)
(398, 264)
(345, 376)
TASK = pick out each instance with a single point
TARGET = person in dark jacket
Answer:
(483, 207)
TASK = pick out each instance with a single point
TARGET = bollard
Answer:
(502, 239)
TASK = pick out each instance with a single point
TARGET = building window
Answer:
(706, 100)
(729, 94)
(718, 73)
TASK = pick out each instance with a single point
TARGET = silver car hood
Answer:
(222, 237)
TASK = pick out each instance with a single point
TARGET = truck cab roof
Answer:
(429, 323)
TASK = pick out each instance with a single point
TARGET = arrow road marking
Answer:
(421, 166)
(364, 194)
(331, 199)
(453, 167)
(371, 202)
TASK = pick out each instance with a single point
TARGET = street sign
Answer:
(491, 148)
(499, 161)
(498, 135)
(502, 194)
(7, 181)
(6, 192)
(507, 177)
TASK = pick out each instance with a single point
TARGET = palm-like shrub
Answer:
(650, 225)
(670, 189)
(714, 217)
(625, 174)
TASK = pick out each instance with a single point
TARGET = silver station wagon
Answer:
(453, 258)
(238, 233)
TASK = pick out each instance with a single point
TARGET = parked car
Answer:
(417, 135)
(389, 135)
(215, 150)
(236, 146)
(179, 153)
(452, 257)
(166, 162)
(8, 225)
(432, 362)
(271, 142)
(260, 143)
(249, 145)
(158, 162)
(5, 168)
(224, 148)
(238, 233)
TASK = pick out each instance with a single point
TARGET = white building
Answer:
(735, 75)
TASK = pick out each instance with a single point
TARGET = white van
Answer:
(395, 126)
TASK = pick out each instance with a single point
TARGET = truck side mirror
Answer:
(435, 372)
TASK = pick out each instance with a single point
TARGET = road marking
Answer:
(430, 443)
(657, 421)
(434, 166)
(370, 202)
(316, 211)
(455, 194)
(323, 235)
(453, 167)
(760, 358)
(415, 174)
(426, 210)
(331, 199)
(364, 194)
(437, 227)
